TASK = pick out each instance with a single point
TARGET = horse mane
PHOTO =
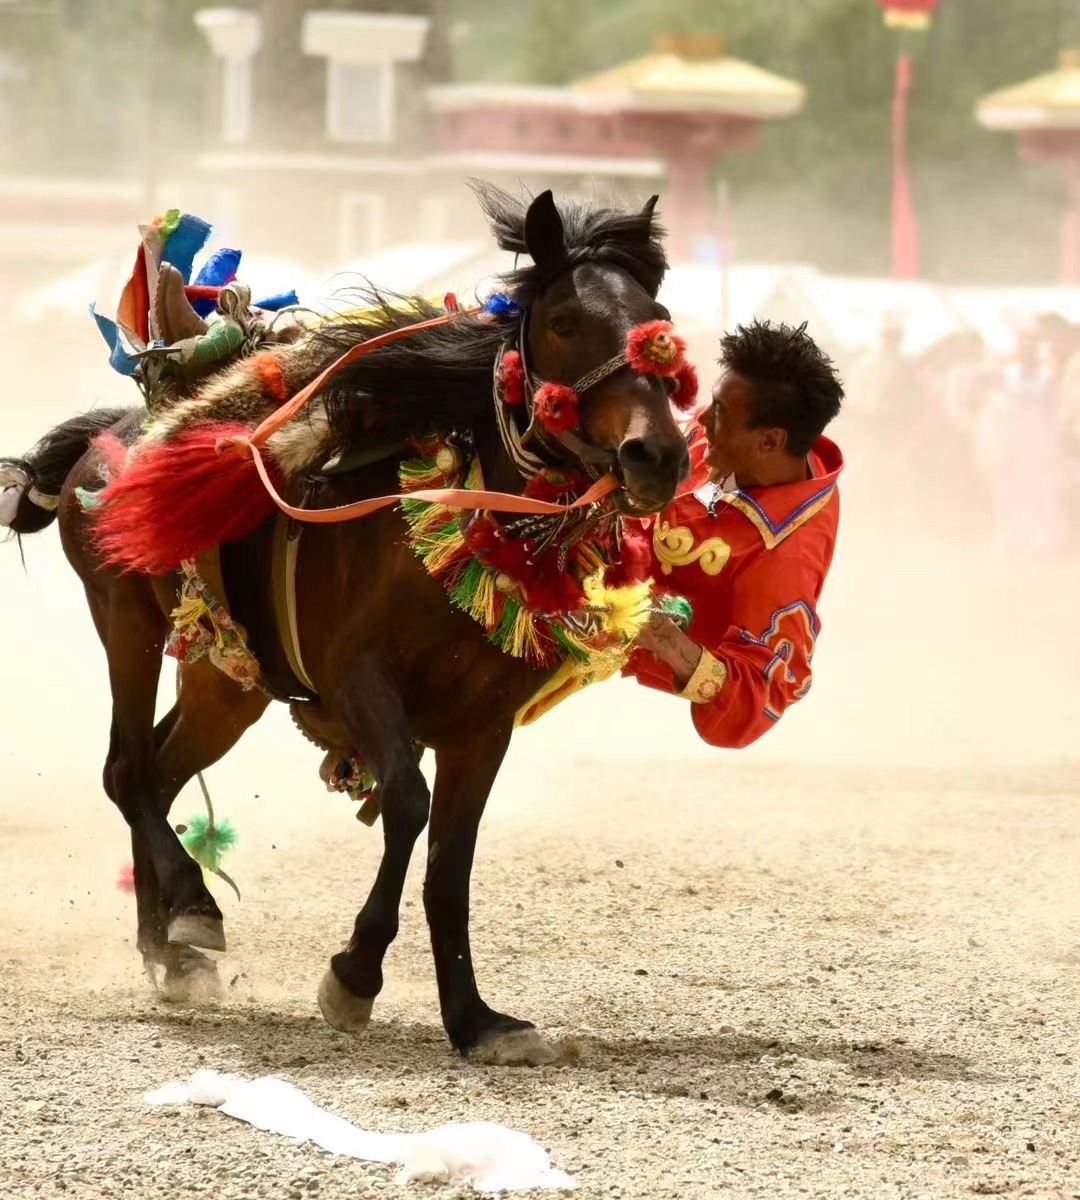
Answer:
(442, 377)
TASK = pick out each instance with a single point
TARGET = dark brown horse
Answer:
(393, 664)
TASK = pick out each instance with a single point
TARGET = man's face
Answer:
(735, 447)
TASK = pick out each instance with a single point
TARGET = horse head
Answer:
(590, 291)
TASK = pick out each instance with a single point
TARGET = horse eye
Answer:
(561, 327)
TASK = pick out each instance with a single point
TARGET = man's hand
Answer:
(667, 641)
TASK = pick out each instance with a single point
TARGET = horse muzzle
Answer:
(650, 469)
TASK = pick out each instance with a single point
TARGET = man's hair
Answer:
(793, 382)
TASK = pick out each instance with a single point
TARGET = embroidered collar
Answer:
(777, 511)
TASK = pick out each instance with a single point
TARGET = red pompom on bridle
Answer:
(558, 407)
(512, 379)
(686, 387)
(654, 349)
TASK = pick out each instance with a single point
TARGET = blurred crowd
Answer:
(969, 442)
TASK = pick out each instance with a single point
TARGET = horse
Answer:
(392, 664)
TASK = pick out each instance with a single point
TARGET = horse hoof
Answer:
(514, 1048)
(192, 929)
(191, 979)
(342, 1010)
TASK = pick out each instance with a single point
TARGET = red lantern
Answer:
(908, 14)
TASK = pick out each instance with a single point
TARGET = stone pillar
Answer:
(687, 206)
(1070, 225)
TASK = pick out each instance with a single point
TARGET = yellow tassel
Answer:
(482, 608)
(524, 639)
(428, 522)
(625, 610)
(442, 553)
(189, 612)
(413, 478)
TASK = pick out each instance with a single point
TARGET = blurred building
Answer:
(1045, 113)
(327, 130)
(660, 122)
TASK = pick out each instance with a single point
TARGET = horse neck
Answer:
(500, 473)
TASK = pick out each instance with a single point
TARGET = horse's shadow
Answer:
(868, 1060)
(257, 1040)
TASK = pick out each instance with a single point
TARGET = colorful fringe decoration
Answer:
(203, 628)
(176, 498)
(578, 601)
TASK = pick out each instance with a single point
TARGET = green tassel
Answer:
(465, 588)
(206, 843)
(500, 636)
(679, 609)
(570, 647)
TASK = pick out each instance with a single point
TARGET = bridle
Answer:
(543, 444)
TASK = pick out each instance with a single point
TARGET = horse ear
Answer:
(650, 207)
(544, 234)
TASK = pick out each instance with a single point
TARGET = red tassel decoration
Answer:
(546, 588)
(686, 391)
(178, 497)
(553, 485)
(512, 379)
(557, 407)
(634, 563)
(653, 349)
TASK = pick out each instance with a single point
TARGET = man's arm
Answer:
(739, 686)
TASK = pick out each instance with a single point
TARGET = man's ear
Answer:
(773, 440)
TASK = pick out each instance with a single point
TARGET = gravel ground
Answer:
(831, 983)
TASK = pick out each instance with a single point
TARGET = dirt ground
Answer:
(845, 962)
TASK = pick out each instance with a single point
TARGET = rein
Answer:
(251, 447)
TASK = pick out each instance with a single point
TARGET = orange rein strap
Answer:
(451, 497)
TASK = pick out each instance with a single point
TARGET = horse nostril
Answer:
(641, 454)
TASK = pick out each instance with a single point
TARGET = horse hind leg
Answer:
(211, 715)
(375, 720)
(134, 637)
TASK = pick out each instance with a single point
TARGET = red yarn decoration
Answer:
(546, 588)
(558, 407)
(634, 562)
(552, 485)
(686, 391)
(512, 379)
(653, 349)
(178, 497)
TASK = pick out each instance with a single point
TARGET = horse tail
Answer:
(30, 487)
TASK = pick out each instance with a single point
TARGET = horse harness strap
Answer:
(286, 550)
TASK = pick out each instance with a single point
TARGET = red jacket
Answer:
(752, 564)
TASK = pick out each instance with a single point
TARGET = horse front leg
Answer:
(374, 717)
(463, 781)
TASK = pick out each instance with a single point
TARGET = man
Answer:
(750, 540)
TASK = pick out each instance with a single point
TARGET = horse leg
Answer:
(151, 914)
(463, 780)
(209, 718)
(135, 632)
(373, 715)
